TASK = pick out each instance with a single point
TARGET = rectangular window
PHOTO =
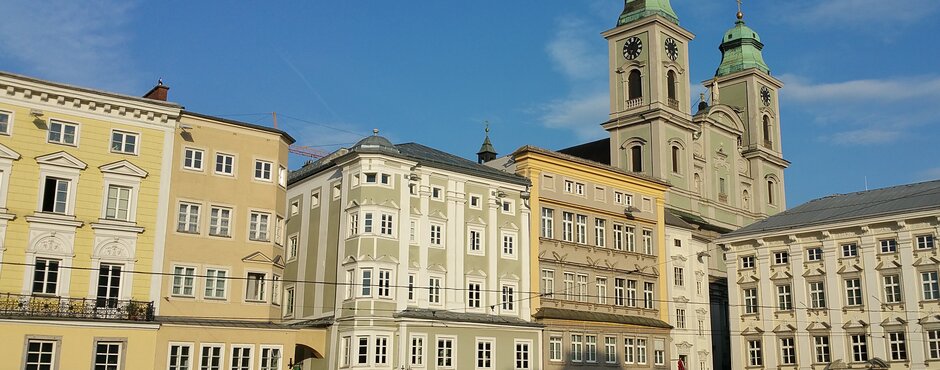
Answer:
(416, 354)
(522, 355)
(188, 220)
(679, 276)
(508, 298)
(849, 250)
(618, 237)
(386, 225)
(859, 344)
(224, 164)
(784, 298)
(220, 221)
(631, 293)
(475, 242)
(747, 262)
(925, 242)
(754, 355)
(641, 351)
(817, 294)
(292, 247)
(509, 245)
(354, 224)
(315, 199)
(484, 354)
(474, 295)
(781, 258)
(55, 195)
(582, 288)
(384, 283)
(124, 142)
(271, 358)
(581, 230)
(445, 352)
(648, 242)
(362, 350)
(579, 188)
(371, 177)
(548, 283)
(659, 353)
(192, 159)
(610, 350)
(5, 121)
(680, 318)
(630, 234)
(183, 278)
(365, 279)
(892, 288)
(263, 170)
(179, 357)
(107, 356)
(600, 285)
(554, 348)
(434, 289)
(412, 281)
(381, 350)
(258, 226)
(569, 186)
(930, 285)
(437, 193)
(548, 220)
(619, 296)
(567, 226)
(600, 231)
(750, 300)
(118, 204)
(476, 202)
(577, 349)
(787, 351)
(853, 292)
(898, 346)
(62, 133)
(888, 245)
(436, 232)
(241, 358)
(289, 302)
(628, 350)
(821, 347)
(45, 276)
(590, 348)
(933, 344)
(255, 286)
(210, 357)
(367, 223)
(350, 284)
(814, 254)
(569, 285)
(215, 283)
(648, 295)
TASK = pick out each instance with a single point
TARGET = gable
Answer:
(123, 167)
(61, 159)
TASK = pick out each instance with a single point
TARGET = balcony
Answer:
(16, 305)
(633, 103)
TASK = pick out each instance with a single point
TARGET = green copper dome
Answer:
(740, 50)
(637, 9)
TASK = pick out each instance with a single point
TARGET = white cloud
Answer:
(864, 136)
(862, 91)
(582, 114)
(75, 42)
(929, 174)
(571, 52)
(862, 12)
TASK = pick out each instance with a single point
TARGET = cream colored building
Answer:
(842, 282)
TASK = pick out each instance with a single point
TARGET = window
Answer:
(600, 230)
(179, 357)
(314, 199)
(371, 177)
(754, 355)
(62, 133)
(582, 287)
(437, 193)
(188, 221)
(381, 350)
(747, 262)
(507, 207)
(46, 276)
(445, 352)
(192, 159)
(680, 318)
(350, 284)
(634, 85)
(817, 294)
(630, 233)
(853, 292)
(933, 344)
(569, 186)
(648, 242)
(618, 237)
(898, 346)
(567, 226)
(636, 158)
(679, 276)
(675, 153)
(618, 197)
(628, 354)
(215, 283)
(814, 254)
(123, 142)
(631, 293)
(590, 348)
(275, 289)
(434, 289)
(619, 296)
(5, 120)
(417, 351)
(701, 327)
(781, 258)
(476, 202)
(224, 164)
(821, 347)
(509, 245)
(241, 358)
(270, 358)
(508, 299)
(784, 298)
(888, 245)
(925, 242)
(255, 286)
(849, 250)
(258, 226)
(576, 348)
(219, 221)
(771, 192)
(659, 352)
(892, 288)
(412, 281)
(292, 247)
(641, 351)
(548, 216)
(600, 285)
(183, 280)
(787, 351)
(386, 225)
(210, 357)
(55, 196)
(436, 234)
(859, 347)
(548, 283)
(554, 348)
(610, 350)
(384, 283)
(474, 295)
(581, 230)
(118, 204)
(289, 304)
(648, 295)
(365, 281)
(362, 351)
(522, 355)
(367, 224)
(750, 300)
(263, 170)
(476, 241)
(931, 288)
(484, 354)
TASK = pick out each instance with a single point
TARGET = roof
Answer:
(93, 91)
(286, 136)
(597, 151)
(589, 162)
(424, 155)
(673, 220)
(852, 206)
(563, 314)
(748, 55)
(219, 322)
(644, 8)
(480, 318)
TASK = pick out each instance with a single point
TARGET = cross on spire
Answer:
(740, 13)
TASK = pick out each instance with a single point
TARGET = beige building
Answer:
(842, 282)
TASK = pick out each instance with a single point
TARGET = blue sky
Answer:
(862, 95)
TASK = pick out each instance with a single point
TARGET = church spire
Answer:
(741, 49)
(487, 151)
(637, 9)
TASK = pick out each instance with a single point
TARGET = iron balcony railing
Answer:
(18, 305)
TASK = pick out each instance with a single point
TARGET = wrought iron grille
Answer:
(17, 305)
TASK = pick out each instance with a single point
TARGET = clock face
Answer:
(672, 50)
(632, 48)
(765, 95)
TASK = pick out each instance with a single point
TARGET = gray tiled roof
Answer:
(846, 207)
(427, 314)
(563, 314)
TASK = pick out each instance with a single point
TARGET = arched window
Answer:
(768, 132)
(698, 182)
(771, 191)
(635, 84)
(636, 158)
(671, 84)
(675, 159)
(745, 200)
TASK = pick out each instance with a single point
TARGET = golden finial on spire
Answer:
(487, 129)
(740, 13)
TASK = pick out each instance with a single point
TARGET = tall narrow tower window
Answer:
(636, 158)
(635, 85)
(671, 86)
(771, 191)
(768, 134)
(675, 159)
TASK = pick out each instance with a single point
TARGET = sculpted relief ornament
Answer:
(113, 250)
(49, 244)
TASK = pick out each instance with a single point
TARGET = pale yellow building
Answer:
(84, 180)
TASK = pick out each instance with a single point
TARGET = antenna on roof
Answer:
(866, 183)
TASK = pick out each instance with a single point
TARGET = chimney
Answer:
(158, 92)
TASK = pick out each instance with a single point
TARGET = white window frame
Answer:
(509, 294)
(436, 236)
(68, 202)
(508, 207)
(476, 201)
(476, 295)
(755, 352)
(130, 200)
(476, 241)
(814, 254)
(897, 346)
(227, 160)
(748, 262)
(266, 170)
(484, 353)
(260, 286)
(781, 257)
(930, 285)
(817, 294)
(240, 350)
(61, 140)
(436, 283)
(47, 281)
(610, 349)
(523, 354)
(581, 229)
(784, 297)
(215, 350)
(892, 288)
(447, 360)
(548, 283)
(590, 348)
(260, 230)
(123, 142)
(567, 226)
(548, 221)
(821, 350)
(926, 241)
(849, 250)
(218, 225)
(932, 337)
(555, 352)
(6, 125)
(215, 276)
(511, 240)
(279, 358)
(189, 217)
(577, 347)
(416, 352)
(751, 302)
(180, 282)
(190, 162)
(853, 292)
(788, 351)
(600, 232)
(189, 355)
(293, 246)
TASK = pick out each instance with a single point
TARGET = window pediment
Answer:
(7, 153)
(61, 159)
(125, 168)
